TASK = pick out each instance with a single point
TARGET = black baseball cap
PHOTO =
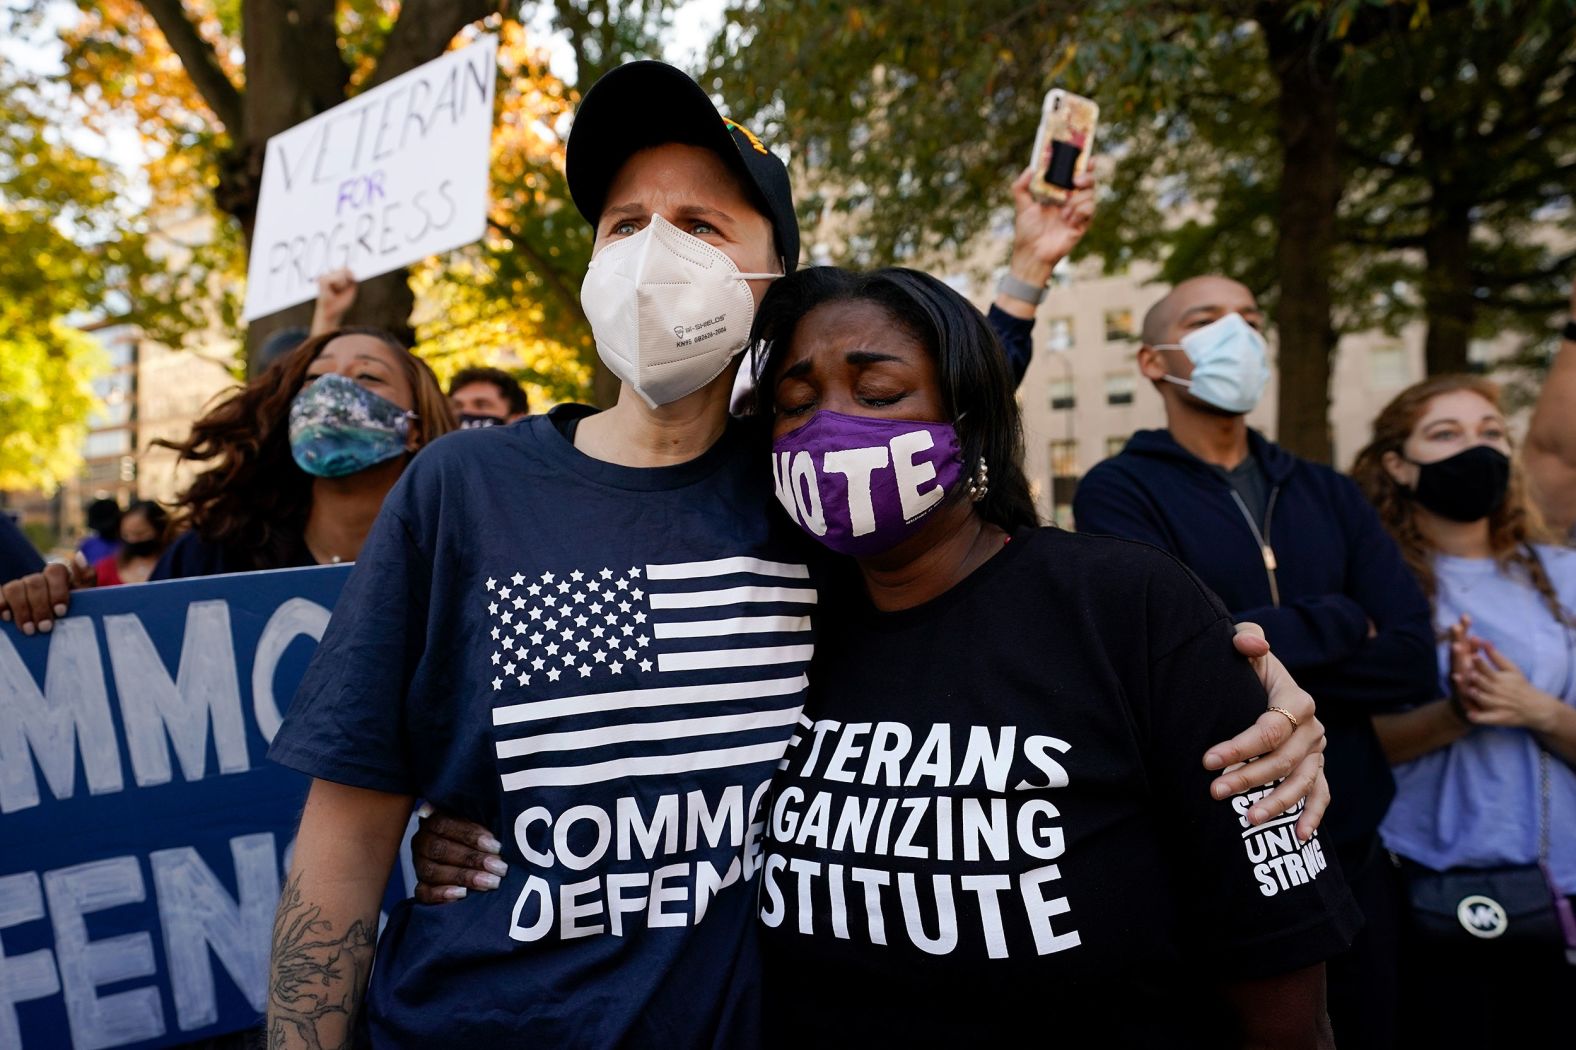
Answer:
(645, 104)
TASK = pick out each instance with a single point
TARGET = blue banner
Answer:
(143, 834)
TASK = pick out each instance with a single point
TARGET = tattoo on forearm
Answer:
(316, 979)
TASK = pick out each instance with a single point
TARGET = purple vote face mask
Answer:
(862, 485)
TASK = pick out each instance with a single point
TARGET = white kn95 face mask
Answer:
(668, 310)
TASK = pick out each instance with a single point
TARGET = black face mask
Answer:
(141, 549)
(1468, 486)
(473, 421)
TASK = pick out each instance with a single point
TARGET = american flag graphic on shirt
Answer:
(602, 672)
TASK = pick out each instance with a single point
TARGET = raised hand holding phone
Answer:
(1063, 145)
(1043, 235)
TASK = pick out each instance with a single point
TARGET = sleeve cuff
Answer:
(1284, 951)
(339, 769)
(1004, 320)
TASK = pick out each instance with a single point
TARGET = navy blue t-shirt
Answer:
(604, 666)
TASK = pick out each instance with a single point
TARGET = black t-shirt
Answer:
(1049, 715)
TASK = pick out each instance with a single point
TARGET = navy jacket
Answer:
(1335, 571)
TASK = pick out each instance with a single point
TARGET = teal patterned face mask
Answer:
(339, 427)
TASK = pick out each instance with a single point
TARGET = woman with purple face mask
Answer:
(993, 816)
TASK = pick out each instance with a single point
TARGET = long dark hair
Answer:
(253, 499)
(976, 383)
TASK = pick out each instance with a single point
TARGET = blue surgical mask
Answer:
(1231, 364)
(338, 427)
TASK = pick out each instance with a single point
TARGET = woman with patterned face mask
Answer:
(298, 462)
(1485, 794)
(301, 457)
(993, 815)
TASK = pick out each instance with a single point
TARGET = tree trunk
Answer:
(386, 302)
(293, 72)
(1447, 288)
(1310, 190)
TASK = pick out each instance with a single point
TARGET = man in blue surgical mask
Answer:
(1293, 546)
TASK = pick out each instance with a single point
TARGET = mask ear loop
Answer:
(1168, 377)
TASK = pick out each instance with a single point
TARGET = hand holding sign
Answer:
(336, 294)
(33, 602)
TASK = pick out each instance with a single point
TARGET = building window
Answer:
(1064, 479)
(1387, 366)
(1059, 334)
(1062, 394)
(1120, 388)
(1114, 444)
(1119, 326)
(101, 443)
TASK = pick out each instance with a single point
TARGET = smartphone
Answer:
(1062, 145)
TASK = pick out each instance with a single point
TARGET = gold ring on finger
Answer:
(1289, 716)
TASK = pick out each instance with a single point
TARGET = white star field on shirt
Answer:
(593, 624)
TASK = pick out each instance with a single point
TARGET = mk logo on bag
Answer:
(1482, 917)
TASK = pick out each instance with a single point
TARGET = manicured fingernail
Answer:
(1219, 790)
(46, 625)
(486, 882)
(27, 628)
(490, 844)
(454, 893)
(60, 610)
(1257, 815)
(496, 866)
(1213, 761)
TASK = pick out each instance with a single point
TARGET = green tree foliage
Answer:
(1239, 137)
(1462, 145)
(57, 261)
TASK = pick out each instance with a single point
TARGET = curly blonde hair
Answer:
(1512, 529)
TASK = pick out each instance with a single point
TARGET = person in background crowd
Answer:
(1293, 546)
(1484, 776)
(18, 556)
(1550, 452)
(407, 695)
(103, 519)
(303, 456)
(487, 397)
(299, 462)
(144, 533)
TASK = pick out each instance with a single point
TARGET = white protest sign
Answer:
(394, 175)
